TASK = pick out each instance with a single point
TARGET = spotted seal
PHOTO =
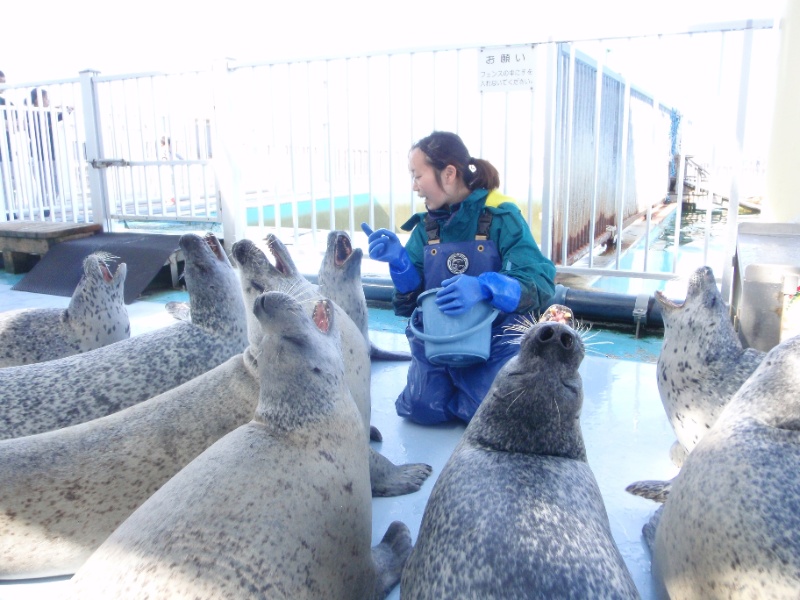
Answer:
(96, 316)
(65, 491)
(259, 275)
(280, 507)
(701, 363)
(58, 393)
(340, 280)
(729, 527)
(516, 510)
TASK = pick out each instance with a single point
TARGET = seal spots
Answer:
(281, 506)
(96, 316)
(702, 362)
(516, 509)
(340, 280)
(46, 396)
(729, 525)
(258, 274)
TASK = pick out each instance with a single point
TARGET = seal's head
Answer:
(97, 308)
(300, 357)
(341, 261)
(703, 300)
(340, 279)
(214, 292)
(259, 275)
(535, 402)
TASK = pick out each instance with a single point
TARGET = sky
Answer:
(50, 39)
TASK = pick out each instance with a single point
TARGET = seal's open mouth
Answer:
(664, 301)
(214, 244)
(107, 277)
(275, 250)
(343, 250)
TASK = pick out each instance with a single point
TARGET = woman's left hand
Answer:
(459, 294)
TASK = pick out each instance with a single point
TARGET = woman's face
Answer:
(423, 178)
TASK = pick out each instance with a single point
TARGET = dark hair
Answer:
(36, 93)
(442, 148)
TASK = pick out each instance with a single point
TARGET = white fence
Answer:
(314, 145)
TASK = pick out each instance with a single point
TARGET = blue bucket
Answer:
(454, 341)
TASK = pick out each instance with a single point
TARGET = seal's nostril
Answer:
(546, 334)
(567, 339)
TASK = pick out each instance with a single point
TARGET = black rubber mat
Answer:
(60, 269)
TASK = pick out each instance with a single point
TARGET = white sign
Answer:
(505, 69)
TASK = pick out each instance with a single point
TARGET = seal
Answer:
(65, 491)
(729, 527)
(516, 510)
(702, 363)
(279, 507)
(259, 275)
(96, 316)
(340, 280)
(46, 396)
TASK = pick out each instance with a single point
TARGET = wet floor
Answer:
(625, 429)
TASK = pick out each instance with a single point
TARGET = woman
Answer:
(473, 243)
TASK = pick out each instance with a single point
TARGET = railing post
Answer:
(98, 186)
(232, 205)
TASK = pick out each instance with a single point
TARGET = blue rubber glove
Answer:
(504, 291)
(462, 292)
(459, 294)
(385, 246)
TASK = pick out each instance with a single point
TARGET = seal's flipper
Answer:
(655, 490)
(374, 434)
(179, 311)
(390, 557)
(388, 479)
(649, 528)
(376, 353)
(678, 454)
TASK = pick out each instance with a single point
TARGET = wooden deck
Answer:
(22, 242)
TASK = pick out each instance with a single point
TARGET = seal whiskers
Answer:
(285, 498)
(258, 274)
(96, 317)
(55, 394)
(516, 511)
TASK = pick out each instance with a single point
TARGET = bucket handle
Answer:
(425, 337)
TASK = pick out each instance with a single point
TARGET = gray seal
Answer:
(729, 527)
(259, 275)
(516, 511)
(65, 491)
(702, 363)
(340, 280)
(46, 396)
(280, 507)
(96, 316)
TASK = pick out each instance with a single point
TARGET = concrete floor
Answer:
(625, 429)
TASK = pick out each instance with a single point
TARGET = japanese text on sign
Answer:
(505, 69)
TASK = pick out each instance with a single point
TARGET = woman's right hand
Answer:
(385, 246)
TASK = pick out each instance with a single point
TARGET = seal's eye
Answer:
(257, 286)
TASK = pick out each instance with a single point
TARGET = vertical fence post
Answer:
(232, 203)
(98, 186)
(549, 162)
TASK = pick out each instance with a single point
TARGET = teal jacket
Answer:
(521, 257)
